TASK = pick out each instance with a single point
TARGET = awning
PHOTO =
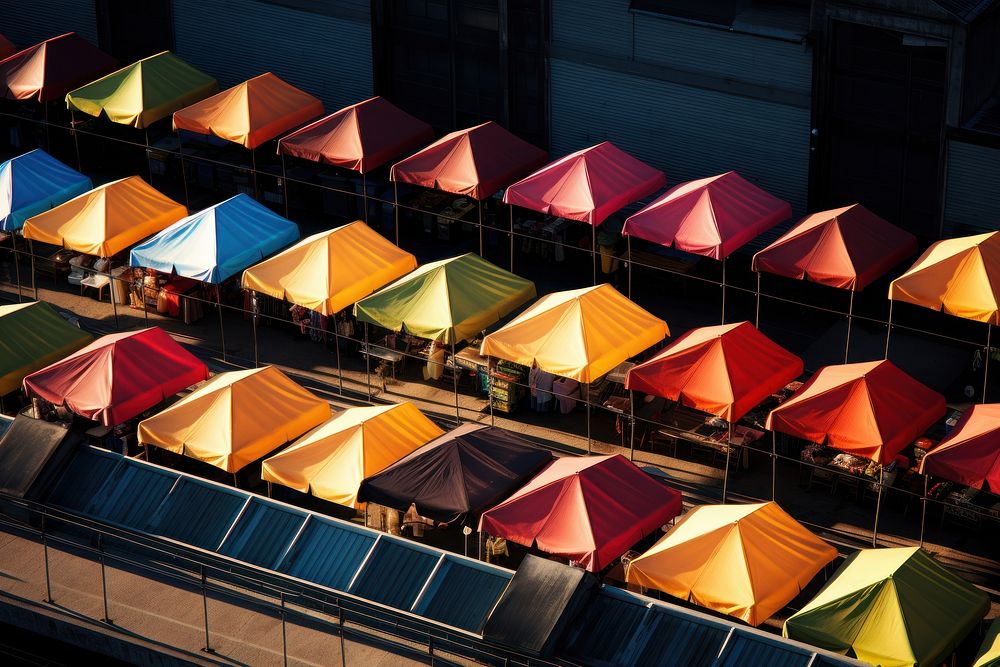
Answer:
(331, 461)
(144, 92)
(871, 409)
(251, 113)
(970, 454)
(476, 162)
(589, 509)
(50, 69)
(32, 336)
(450, 300)
(958, 276)
(724, 370)
(847, 248)
(33, 183)
(118, 376)
(459, 475)
(711, 216)
(106, 220)
(891, 607)
(580, 334)
(235, 418)
(587, 185)
(217, 242)
(7, 47)
(329, 271)
(746, 561)
(989, 652)
(361, 137)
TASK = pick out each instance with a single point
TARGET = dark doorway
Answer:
(134, 29)
(881, 121)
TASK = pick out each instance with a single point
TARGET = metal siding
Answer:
(395, 573)
(329, 57)
(688, 132)
(197, 513)
(263, 533)
(606, 631)
(328, 553)
(27, 23)
(602, 26)
(973, 195)
(462, 595)
(84, 476)
(743, 649)
(132, 494)
(676, 638)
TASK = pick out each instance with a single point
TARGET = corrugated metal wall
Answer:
(327, 56)
(973, 195)
(27, 23)
(691, 129)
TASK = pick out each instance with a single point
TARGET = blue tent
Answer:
(218, 242)
(33, 183)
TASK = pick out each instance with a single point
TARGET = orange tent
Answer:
(475, 162)
(847, 248)
(252, 113)
(870, 409)
(970, 455)
(724, 370)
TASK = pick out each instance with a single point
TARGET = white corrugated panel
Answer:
(27, 23)
(327, 56)
(973, 195)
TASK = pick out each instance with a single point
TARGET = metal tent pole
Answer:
(149, 159)
(364, 194)
(111, 294)
(31, 252)
(888, 331)
(774, 464)
(631, 437)
(588, 419)
(923, 509)
(511, 209)
(756, 321)
(336, 341)
(184, 180)
(253, 169)
(17, 263)
(368, 366)
(593, 255)
(723, 292)
(878, 505)
(628, 250)
(480, 207)
(725, 474)
(489, 389)
(255, 315)
(222, 328)
(850, 318)
(48, 139)
(454, 379)
(76, 139)
(284, 182)
(395, 207)
(986, 363)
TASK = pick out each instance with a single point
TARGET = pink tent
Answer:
(970, 455)
(587, 185)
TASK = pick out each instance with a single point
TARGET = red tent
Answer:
(725, 370)
(7, 47)
(870, 409)
(588, 185)
(845, 247)
(970, 455)
(118, 376)
(50, 69)
(475, 162)
(711, 216)
(590, 509)
(360, 137)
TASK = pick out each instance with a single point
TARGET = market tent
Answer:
(589, 509)
(847, 248)
(476, 162)
(989, 652)
(459, 475)
(361, 137)
(118, 376)
(143, 92)
(450, 300)
(331, 461)
(891, 607)
(106, 220)
(251, 113)
(725, 370)
(711, 216)
(746, 561)
(970, 454)
(50, 69)
(235, 418)
(329, 271)
(32, 336)
(588, 185)
(958, 276)
(34, 182)
(870, 409)
(7, 47)
(217, 242)
(580, 334)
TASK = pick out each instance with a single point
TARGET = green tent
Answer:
(32, 336)
(891, 607)
(144, 92)
(989, 652)
(448, 301)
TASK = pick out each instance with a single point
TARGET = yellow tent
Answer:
(958, 276)
(329, 271)
(989, 652)
(331, 461)
(580, 334)
(746, 561)
(106, 220)
(235, 418)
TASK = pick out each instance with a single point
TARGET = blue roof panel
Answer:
(131, 495)
(328, 553)
(751, 649)
(607, 629)
(263, 533)
(84, 476)
(395, 573)
(675, 637)
(462, 594)
(198, 513)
